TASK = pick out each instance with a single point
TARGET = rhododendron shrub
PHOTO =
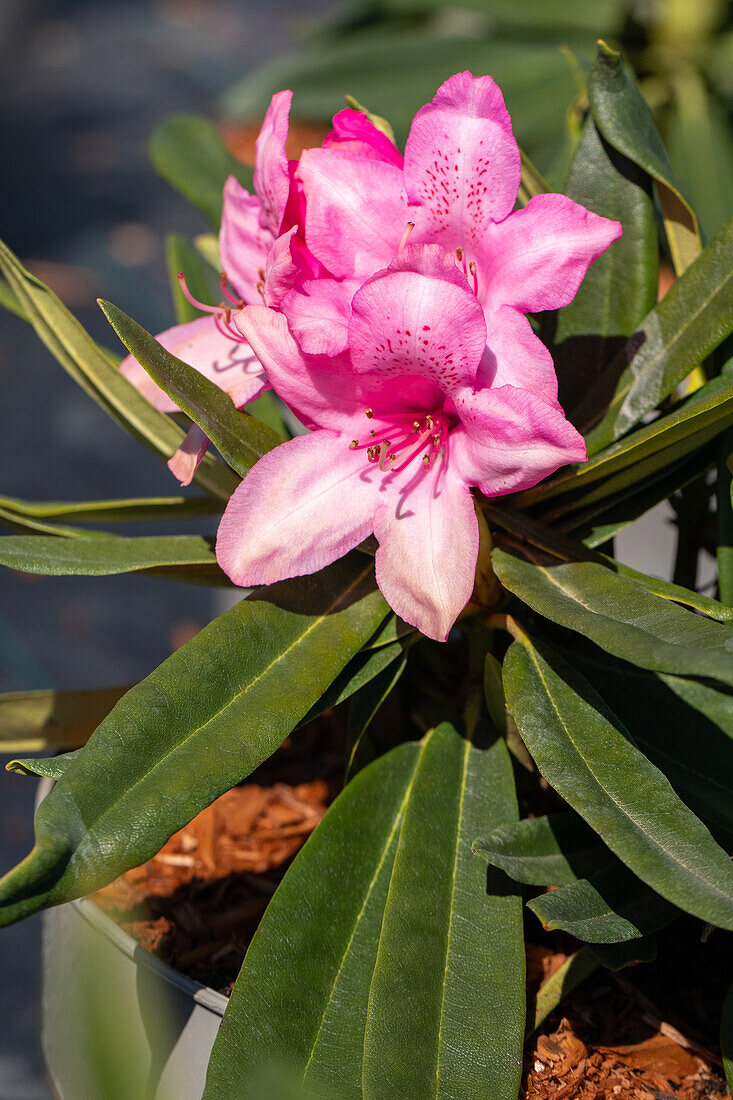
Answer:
(470, 389)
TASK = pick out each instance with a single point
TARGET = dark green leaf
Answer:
(620, 287)
(359, 672)
(386, 896)
(611, 907)
(693, 318)
(188, 152)
(544, 851)
(364, 707)
(584, 752)
(626, 122)
(240, 438)
(113, 511)
(50, 767)
(683, 726)
(35, 721)
(93, 370)
(104, 555)
(199, 724)
(615, 956)
(621, 617)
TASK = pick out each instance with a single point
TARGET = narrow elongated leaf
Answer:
(626, 122)
(621, 617)
(699, 139)
(364, 706)
(693, 318)
(544, 851)
(611, 907)
(184, 259)
(710, 406)
(300, 999)
(114, 511)
(188, 152)
(677, 592)
(321, 956)
(531, 182)
(620, 287)
(446, 1014)
(584, 752)
(35, 721)
(683, 726)
(92, 369)
(104, 555)
(358, 673)
(9, 301)
(240, 438)
(25, 524)
(213, 710)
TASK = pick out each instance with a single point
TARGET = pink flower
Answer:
(256, 264)
(403, 422)
(456, 187)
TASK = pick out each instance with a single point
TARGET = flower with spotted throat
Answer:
(403, 423)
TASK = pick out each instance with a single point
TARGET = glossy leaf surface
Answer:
(584, 752)
(195, 727)
(104, 555)
(544, 851)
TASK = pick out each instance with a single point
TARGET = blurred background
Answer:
(84, 82)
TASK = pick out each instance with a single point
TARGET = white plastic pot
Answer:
(94, 973)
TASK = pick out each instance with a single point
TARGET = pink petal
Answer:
(355, 211)
(232, 366)
(462, 164)
(185, 462)
(509, 440)
(352, 130)
(244, 244)
(514, 356)
(537, 258)
(318, 313)
(272, 175)
(428, 547)
(323, 393)
(302, 506)
(282, 271)
(405, 323)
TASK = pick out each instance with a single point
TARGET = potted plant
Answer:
(480, 390)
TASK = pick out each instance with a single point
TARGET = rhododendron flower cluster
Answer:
(393, 294)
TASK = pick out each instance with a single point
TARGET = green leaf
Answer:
(544, 851)
(446, 1003)
(683, 726)
(364, 707)
(383, 943)
(621, 617)
(103, 555)
(211, 712)
(611, 907)
(201, 279)
(620, 287)
(584, 752)
(665, 441)
(240, 438)
(693, 318)
(669, 591)
(190, 155)
(616, 956)
(114, 511)
(724, 516)
(50, 767)
(531, 182)
(359, 672)
(91, 368)
(35, 721)
(560, 985)
(9, 301)
(625, 121)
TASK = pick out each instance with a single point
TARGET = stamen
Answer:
(354, 444)
(370, 413)
(472, 269)
(238, 303)
(426, 461)
(408, 230)
(190, 298)
(260, 287)
(462, 260)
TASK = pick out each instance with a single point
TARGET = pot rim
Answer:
(202, 994)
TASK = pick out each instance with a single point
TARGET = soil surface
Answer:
(197, 904)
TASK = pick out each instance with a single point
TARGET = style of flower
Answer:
(403, 423)
(263, 252)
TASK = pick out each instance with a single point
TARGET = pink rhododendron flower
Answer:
(403, 422)
(256, 264)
